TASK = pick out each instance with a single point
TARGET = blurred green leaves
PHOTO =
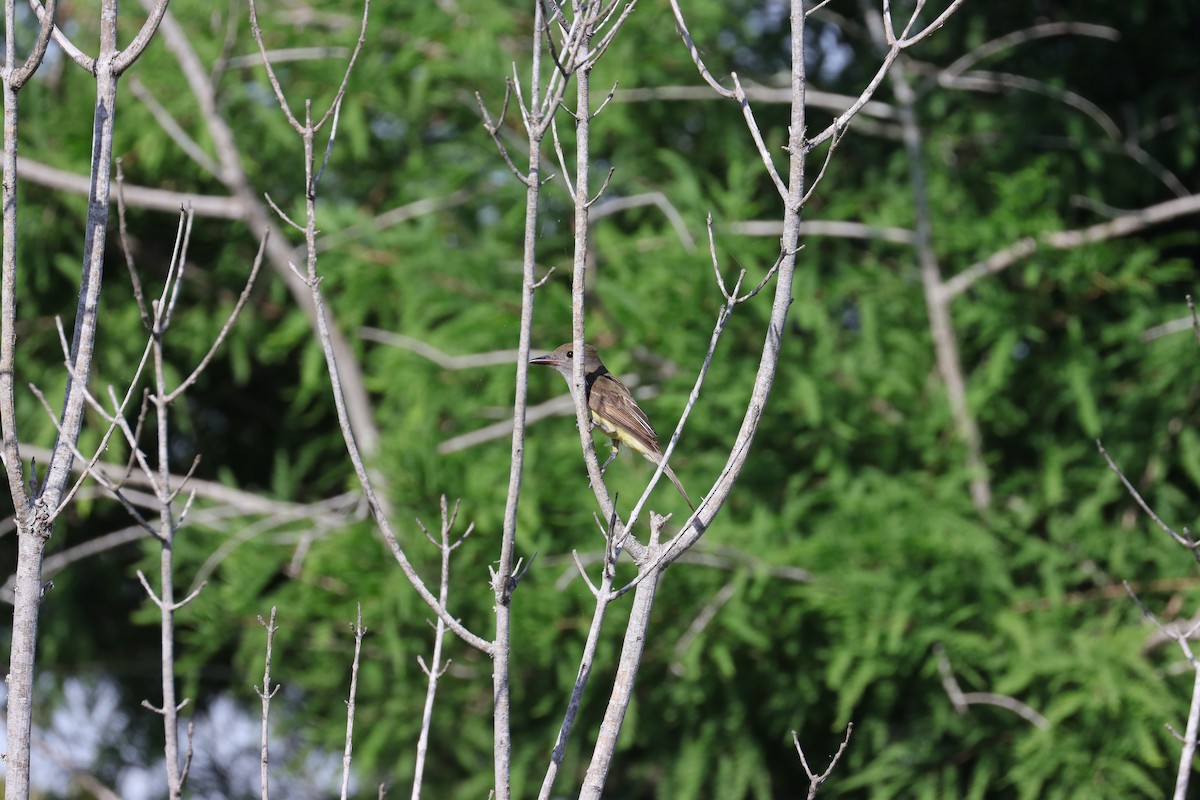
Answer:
(856, 477)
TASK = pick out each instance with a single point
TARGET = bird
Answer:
(613, 408)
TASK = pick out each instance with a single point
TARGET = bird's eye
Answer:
(570, 354)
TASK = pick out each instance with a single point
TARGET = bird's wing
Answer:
(614, 403)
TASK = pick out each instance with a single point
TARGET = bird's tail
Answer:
(671, 474)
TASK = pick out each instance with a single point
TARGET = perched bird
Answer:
(613, 408)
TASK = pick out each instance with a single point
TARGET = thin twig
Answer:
(359, 631)
(756, 135)
(493, 129)
(45, 15)
(435, 669)
(228, 326)
(89, 467)
(127, 250)
(1185, 541)
(814, 780)
(265, 694)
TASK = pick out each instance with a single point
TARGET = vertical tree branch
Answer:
(28, 575)
(604, 597)
(161, 316)
(433, 671)
(937, 301)
(502, 579)
(35, 525)
(265, 694)
(574, 58)
(1188, 753)
(622, 692)
(435, 668)
(584, 12)
(359, 632)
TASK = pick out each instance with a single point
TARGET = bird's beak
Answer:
(547, 360)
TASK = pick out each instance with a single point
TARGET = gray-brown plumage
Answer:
(612, 406)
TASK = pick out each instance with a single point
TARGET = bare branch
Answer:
(359, 631)
(611, 93)
(814, 780)
(833, 143)
(115, 421)
(583, 574)
(702, 621)
(598, 50)
(341, 91)
(657, 199)
(81, 59)
(271, 76)
(603, 187)
(1189, 739)
(98, 476)
(627, 667)
(962, 700)
(756, 135)
(842, 229)
(909, 41)
(138, 196)
(728, 559)
(190, 597)
(681, 26)
(173, 129)
(153, 595)
(283, 216)
(265, 694)
(127, 249)
(311, 279)
(435, 668)
(1184, 540)
(133, 51)
(1032, 33)
(444, 360)
(1066, 240)
(493, 129)
(21, 75)
(604, 597)
(257, 217)
(562, 160)
(233, 315)
(758, 93)
(165, 308)
(1188, 752)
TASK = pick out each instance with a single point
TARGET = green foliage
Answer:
(857, 476)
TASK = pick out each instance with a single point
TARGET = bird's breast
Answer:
(604, 425)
